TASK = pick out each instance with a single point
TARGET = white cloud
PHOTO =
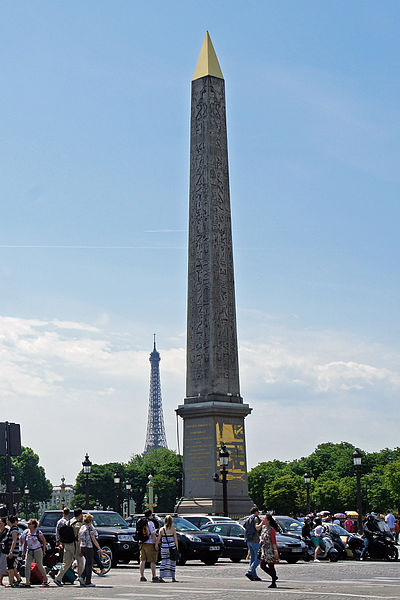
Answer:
(67, 381)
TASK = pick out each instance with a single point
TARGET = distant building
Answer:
(61, 496)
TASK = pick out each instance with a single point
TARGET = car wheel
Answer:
(236, 559)
(181, 559)
(210, 561)
(291, 560)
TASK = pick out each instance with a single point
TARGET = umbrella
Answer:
(324, 512)
(351, 513)
(339, 515)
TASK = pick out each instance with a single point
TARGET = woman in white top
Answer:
(34, 550)
(87, 539)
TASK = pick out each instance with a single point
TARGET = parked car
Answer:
(200, 520)
(232, 535)
(115, 536)
(289, 525)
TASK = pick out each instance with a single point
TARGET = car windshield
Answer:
(384, 527)
(109, 519)
(290, 525)
(183, 525)
(339, 530)
(50, 519)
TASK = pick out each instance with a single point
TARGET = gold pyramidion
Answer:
(208, 62)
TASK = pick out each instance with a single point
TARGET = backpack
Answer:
(36, 578)
(250, 527)
(142, 532)
(69, 576)
(67, 534)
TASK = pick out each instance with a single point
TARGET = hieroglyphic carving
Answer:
(212, 361)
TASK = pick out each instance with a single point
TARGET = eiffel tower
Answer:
(155, 437)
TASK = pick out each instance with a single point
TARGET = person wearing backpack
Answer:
(34, 550)
(67, 538)
(252, 538)
(146, 534)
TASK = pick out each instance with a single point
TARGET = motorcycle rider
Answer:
(370, 529)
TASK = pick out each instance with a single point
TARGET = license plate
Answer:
(214, 548)
(297, 550)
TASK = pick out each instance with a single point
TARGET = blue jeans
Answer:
(364, 550)
(254, 560)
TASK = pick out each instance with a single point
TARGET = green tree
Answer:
(285, 495)
(101, 485)
(28, 473)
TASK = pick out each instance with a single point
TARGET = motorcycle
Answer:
(382, 545)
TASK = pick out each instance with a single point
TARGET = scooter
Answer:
(328, 551)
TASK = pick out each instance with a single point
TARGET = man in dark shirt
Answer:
(370, 529)
(252, 537)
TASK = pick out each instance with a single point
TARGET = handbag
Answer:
(173, 552)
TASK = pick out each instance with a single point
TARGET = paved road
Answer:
(226, 581)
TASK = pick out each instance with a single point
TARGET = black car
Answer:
(115, 536)
(193, 544)
(232, 535)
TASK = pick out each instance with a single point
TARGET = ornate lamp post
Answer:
(87, 467)
(307, 481)
(150, 499)
(26, 494)
(117, 481)
(223, 456)
(357, 459)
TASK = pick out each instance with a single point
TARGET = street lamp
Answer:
(128, 487)
(26, 493)
(87, 467)
(307, 481)
(117, 481)
(357, 459)
(223, 457)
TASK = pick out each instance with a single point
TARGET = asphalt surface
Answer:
(226, 581)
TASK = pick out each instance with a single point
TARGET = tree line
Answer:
(279, 485)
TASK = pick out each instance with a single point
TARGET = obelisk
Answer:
(213, 410)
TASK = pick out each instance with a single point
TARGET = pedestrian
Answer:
(147, 546)
(87, 539)
(169, 549)
(306, 529)
(252, 525)
(3, 558)
(316, 538)
(269, 548)
(396, 531)
(34, 550)
(390, 520)
(11, 550)
(349, 525)
(68, 534)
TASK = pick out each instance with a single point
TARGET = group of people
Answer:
(31, 544)
(260, 536)
(150, 543)
(76, 539)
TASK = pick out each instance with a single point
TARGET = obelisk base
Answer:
(206, 425)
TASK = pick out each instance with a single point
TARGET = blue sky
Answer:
(94, 159)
